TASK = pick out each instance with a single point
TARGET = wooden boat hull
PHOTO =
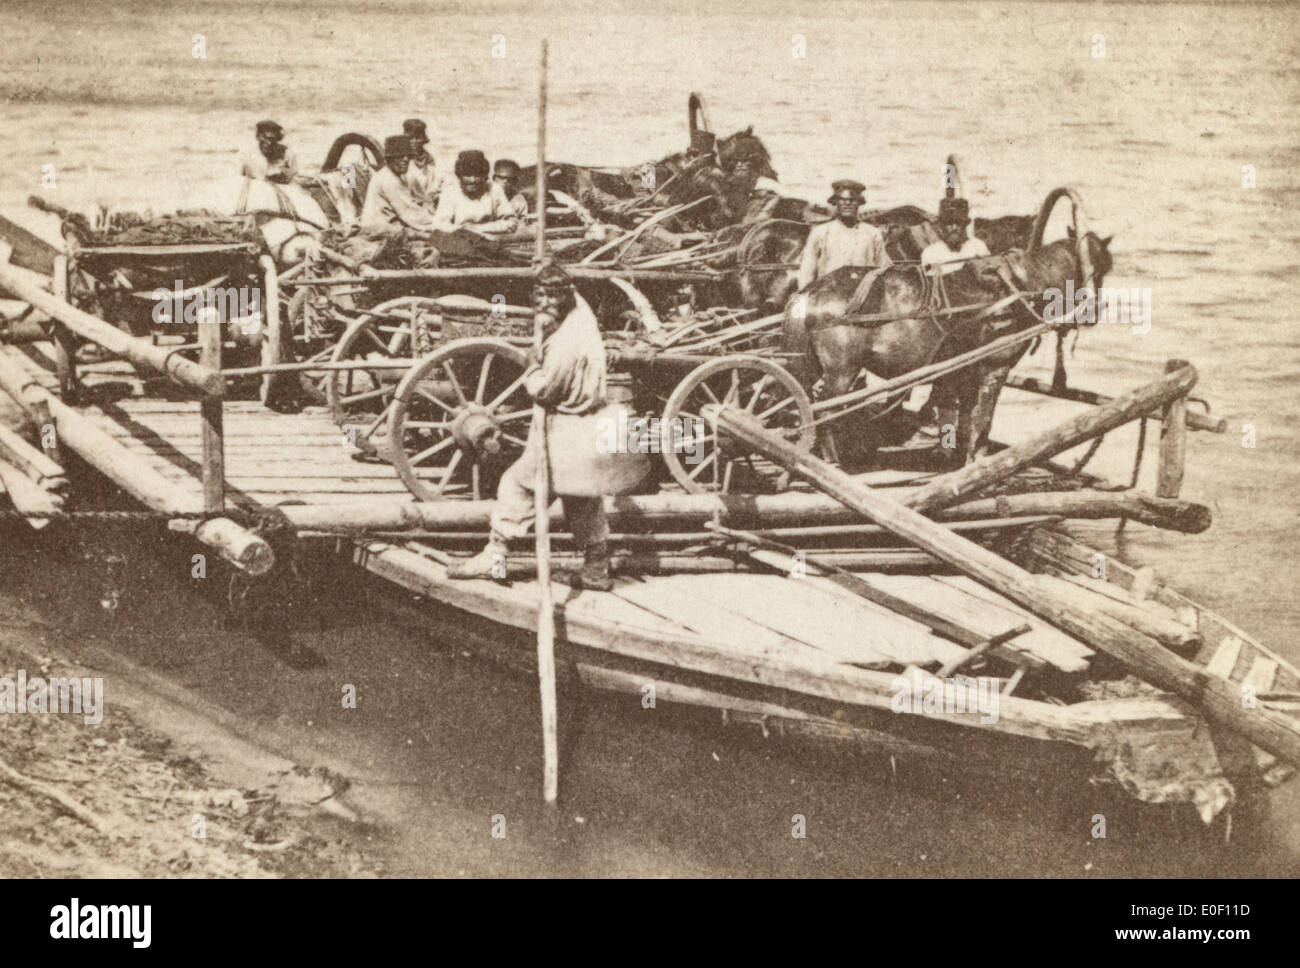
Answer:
(1154, 745)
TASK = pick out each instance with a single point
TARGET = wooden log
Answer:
(664, 563)
(581, 273)
(132, 472)
(1173, 441)
(33, 463)
(654, 511)
(1218, 698)
(241, 547)
(1195, 419)
(989, 470)
(64, 348)
(28, 497)
(210, 421)
(1167, 631)
(138, 351)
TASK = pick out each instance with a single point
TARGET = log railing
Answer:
(241, 547)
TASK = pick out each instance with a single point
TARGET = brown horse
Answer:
(837, 351)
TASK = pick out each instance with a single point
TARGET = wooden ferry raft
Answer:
(715, 619)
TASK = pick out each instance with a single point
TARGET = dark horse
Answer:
(837, 351)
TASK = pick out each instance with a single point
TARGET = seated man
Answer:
(390, 208)
(270, 160)
(506, 174)
(955, 246)
(473, 202)
(844, 240)
(568, 381)
(422, 174)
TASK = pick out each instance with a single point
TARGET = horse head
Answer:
(745, 144)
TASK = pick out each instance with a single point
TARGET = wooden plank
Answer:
(1261, 673)
(1219, 699)
(809, 610)
(1225, 657)
(991, 614)
(719, 625)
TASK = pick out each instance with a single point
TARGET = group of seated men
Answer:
(406, 196)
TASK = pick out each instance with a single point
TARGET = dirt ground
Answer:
(159, 811)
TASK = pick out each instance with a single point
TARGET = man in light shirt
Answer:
(474, 202)
(844, 240)
(422, 173)
(390, 207)
(506, 174)
(955, 245)
(270, 160)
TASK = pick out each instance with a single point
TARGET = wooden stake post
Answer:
(542, 502)
(1173, 441)
(210, 414)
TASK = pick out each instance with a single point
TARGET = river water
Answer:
(1176, 122)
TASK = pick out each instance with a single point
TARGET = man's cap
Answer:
(270, 127)
(504, 166)
(472, 162)
(703, 140)
(397, 146)
(551, 278)
(416, 130)
(847, 188)
(954, 211)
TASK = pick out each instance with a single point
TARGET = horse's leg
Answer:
(946, 402)
(986, 400)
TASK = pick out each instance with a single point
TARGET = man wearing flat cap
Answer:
(843, 241)
(421, 174)
(569, 382)
(390, 208)
(473, 201)
(955, 245)
(269, 160)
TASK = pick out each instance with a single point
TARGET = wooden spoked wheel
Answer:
(359, 400)
(765, 389)
(459, 419)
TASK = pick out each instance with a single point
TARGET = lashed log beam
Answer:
(765, 510)
(137, 351)
(1195, 420)
(989, 470)
(128, 470)
(1219, 699)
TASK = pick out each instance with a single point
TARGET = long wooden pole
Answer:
(1219, 698)
(542, 500)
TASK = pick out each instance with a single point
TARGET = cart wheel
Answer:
(461, 416)
(752, 383)
(359, 399)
